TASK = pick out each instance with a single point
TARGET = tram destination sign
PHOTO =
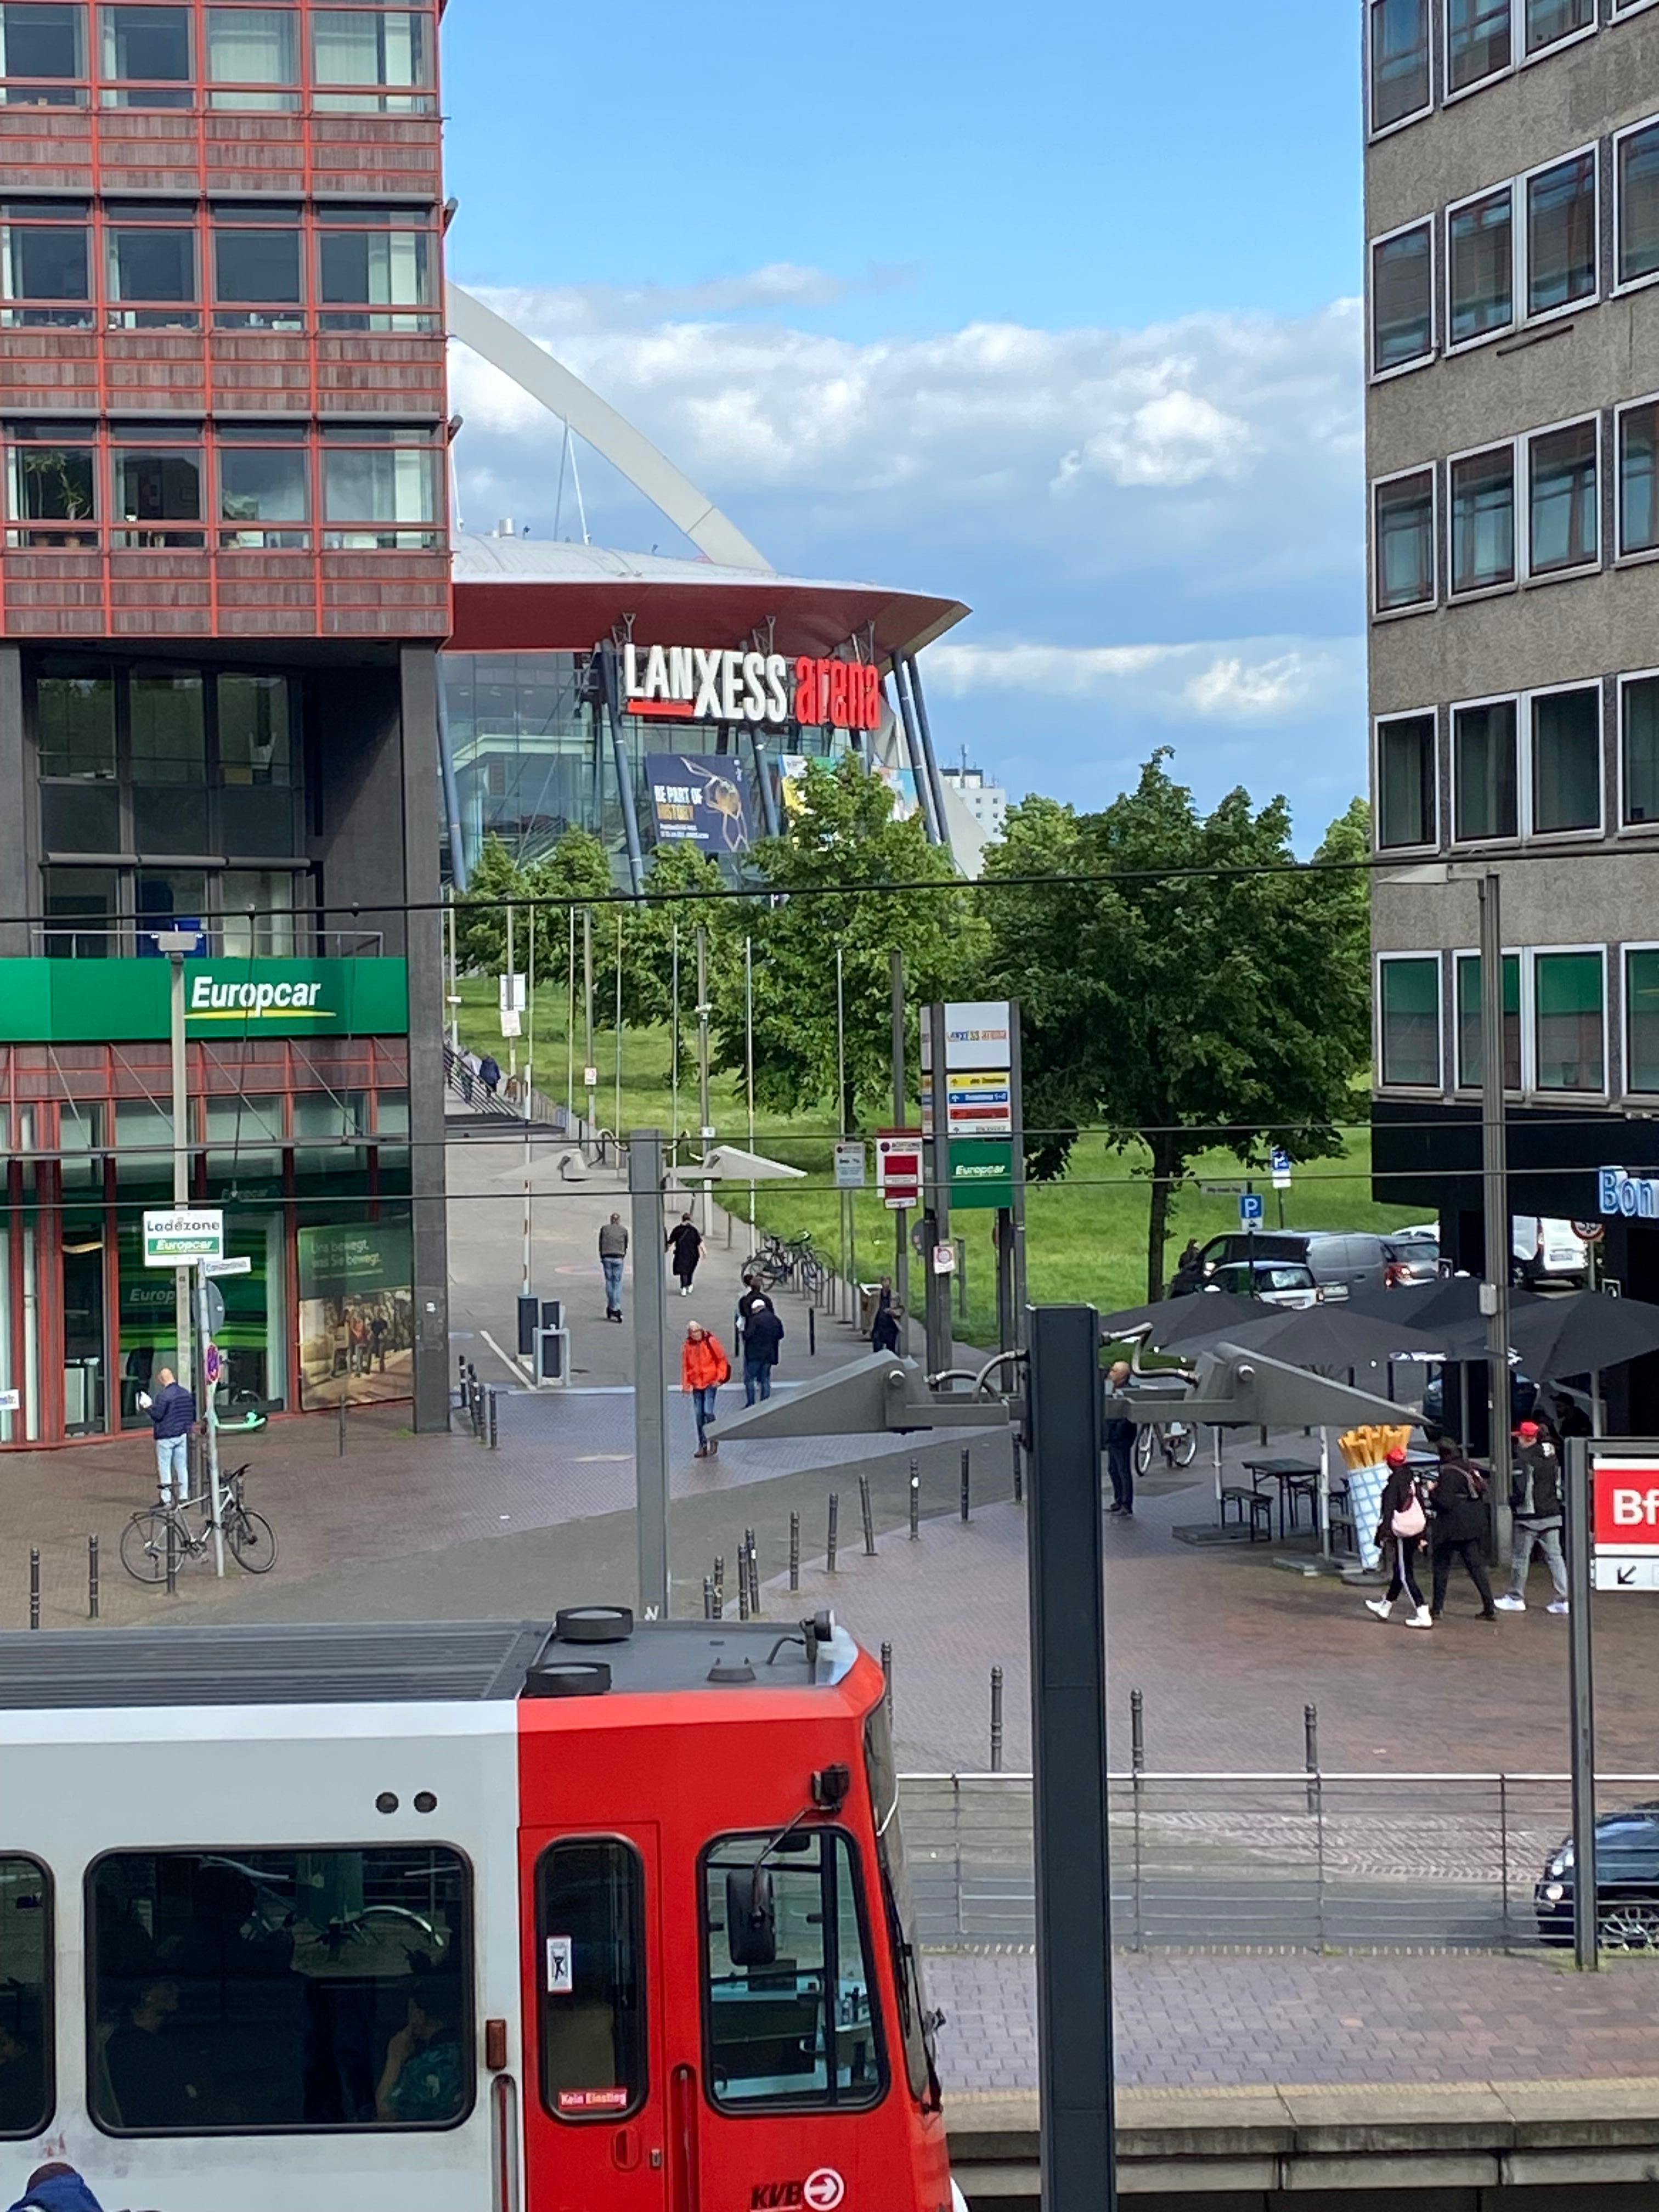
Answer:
(183, 1236)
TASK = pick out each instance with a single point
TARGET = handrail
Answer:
(1297, 1775)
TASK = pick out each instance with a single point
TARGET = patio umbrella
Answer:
(1336, 1336)
(1581, 1331)
(1204, 1319)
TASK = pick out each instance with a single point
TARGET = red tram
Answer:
(510, 1916)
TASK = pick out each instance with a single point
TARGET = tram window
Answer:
(256, 1990)
(916, 2022)
(26, 2091)
(590, 1944)
(789, 2017)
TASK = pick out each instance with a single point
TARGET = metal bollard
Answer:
(811, 1333)
(1137, 1735)
(967, 1484)
(173, 1558)
(752, 1569)
(719, 1574)
(869, 1522)
(92, 1578)
(996, 1720)
(887, 1676)
(34, 1587)
(794, 1551)
(1020, 1470)
(707, 1597)
(719, 1600)
(495, 1431)
(915, 1503)
(835, 1518)
(743, 1589)
(339, 1448)
(1310, 1753)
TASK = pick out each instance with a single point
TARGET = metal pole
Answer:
(887, 1675)
(967, 1484)
(34, 1587)
(1581, 1693)
(650, 1369)
(929, 760)
(211, 1419)
(1016, 1084)
(181, 1276)
(1020, 1469)
(794, 1551)
(901, 1112)
(616, 1114)
(1066, 1566)
(589, 1072)
(570, 1015)
(830, 1547)
(811, 1331)
(869, 1522)
(512, 1045)
(1495, 1298)
(706, 1126)
(996, 1720)
(1137, 1735)
(915, 1503)
(529, 1080)
(92, 1578)
(674, 1048)
(936, 1221)
(749, 1060)
(1310, 1753)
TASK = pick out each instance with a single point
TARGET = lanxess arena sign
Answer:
(684, 683)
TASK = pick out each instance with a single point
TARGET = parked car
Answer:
(1275, 1282)
(1413, 1254)
(1626, 1883)
(1341, 1260)
(1547, 1251)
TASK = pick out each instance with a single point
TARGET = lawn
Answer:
(1086, 1236)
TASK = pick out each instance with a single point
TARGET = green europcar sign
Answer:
(121, 1001)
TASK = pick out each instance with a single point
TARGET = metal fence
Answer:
(1303, 1861)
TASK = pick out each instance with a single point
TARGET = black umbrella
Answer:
(1202, 1319)
(1578, 1331)
(1335, 1336)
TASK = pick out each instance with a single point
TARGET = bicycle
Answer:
(779, 1261)
(156, 1532)
(1176, 1440)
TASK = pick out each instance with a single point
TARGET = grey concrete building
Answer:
(1512, 446)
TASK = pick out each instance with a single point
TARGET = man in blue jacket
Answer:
(56, 2188)
(173, 1416)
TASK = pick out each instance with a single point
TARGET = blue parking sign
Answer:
(1250, 1209)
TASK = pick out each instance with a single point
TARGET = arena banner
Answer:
(699, 798)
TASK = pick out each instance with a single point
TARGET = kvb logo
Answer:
(821, 2191)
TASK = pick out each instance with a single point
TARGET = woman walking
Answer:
(684, 1240)
(1460, 1527)
(1400, 1529)
(703, 1367)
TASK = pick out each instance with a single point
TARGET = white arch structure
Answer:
(553, 386)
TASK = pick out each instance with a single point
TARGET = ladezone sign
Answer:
(684, 683)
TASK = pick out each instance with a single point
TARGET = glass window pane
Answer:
(41, 40)
(253, 729)
(1566, 760)
(47, 261)
(258, 913)
(81, 817)
(220, 1998)
(1478, 40)
(1402, 299)
(1550, 19)
(591, 1939)
(1561, 234)
(1400, 59)
(1565, 498)
(162, 897)
(1481, 247)
(1639, 204)
(1483, 520)
(158, 488)
(1639, 512)
(1568, 989)
(257, 264)
(355, 46)
(1483, 770)
(1404, 782)
(75, 724)
(1642, 1021)
(147, 48)
(1639, 708)
(248, 47)
(381, 268)
(916, 2021)
(25, 2070)
(52, 483)
(1470, 1074)
(153, 265)
(169, 744)
(1405, 541)
(85, 895)
(386, 485)
(1410, 995)
(787, 1988)
(262, 485)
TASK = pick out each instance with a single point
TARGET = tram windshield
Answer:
(264, 1989)
(25, 2097)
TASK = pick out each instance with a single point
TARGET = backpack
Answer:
(1409, 1519)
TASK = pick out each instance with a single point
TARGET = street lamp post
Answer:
(175, 944)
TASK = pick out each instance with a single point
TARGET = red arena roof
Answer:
(527, 595)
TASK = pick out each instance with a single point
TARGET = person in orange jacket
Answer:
(703, 1367)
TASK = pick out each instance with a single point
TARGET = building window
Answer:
(265, 489)
(1484, 788)
(364, 273)
(256, 763)
(371, 51)
(217, 2000)
(1405, 541)
(1408, 998)
(51, 486)
(257, 908)
(1481, 255)
(82, 907)
(45, 261)
(256, 280)
(793, 1926)
(1483, 520)
(1636, 254)
(168, 738)
(75, 723)
(1569, 1000)
(1563, 499)
(1398, 31)
(1405, 781)
(590, 1919)
(1561, 234)
(1470, 1072)
(1549, 21)
(1638, 760)
(25, 2070)
(153, 262)
(1638, 510)
(1403, 298)
(1642, 1019)
(146, 57)
(1566, 760)
(250, 50)
(159, 489)
(1477, 41)
(379, 495)
(43, 53)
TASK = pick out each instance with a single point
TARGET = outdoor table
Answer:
(1291, 1475)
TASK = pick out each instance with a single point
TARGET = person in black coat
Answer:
(1120, 1448)
(1458, 1510)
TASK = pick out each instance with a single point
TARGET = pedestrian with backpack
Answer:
(1459, 1511)
(1401, 1524)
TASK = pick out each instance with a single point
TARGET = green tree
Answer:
(840, 832)
(1180, 1011)
(480, 922)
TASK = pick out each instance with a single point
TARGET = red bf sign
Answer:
(898, 1168)
(1627, 1505)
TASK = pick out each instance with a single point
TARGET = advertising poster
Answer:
(902, 783)
(699, 799)
(356, 1314)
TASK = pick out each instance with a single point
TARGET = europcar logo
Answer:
(210, 1000)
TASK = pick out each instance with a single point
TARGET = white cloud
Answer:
(1239, 680)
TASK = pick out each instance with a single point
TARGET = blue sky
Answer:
(1062, 324)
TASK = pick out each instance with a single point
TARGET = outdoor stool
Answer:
(1257, 1504)
(1297, 1487)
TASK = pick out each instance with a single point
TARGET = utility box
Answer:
(530, 1308)
(553, 1355)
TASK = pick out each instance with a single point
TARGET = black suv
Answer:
(1626, 1884)
(1343, 1260)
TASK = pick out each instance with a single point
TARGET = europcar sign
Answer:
(684, 683)
(114, 1001)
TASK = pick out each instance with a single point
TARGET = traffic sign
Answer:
(849, 1164)
(213, 1308)
(1627, 1574)
(512, 993)
(1281, 1168)
(1250, 1205)
(241, 1265)
(213, 1365)
(898, 1168)
(178, 1236)
(1589, 1233)
(1226, 1190)
(945, 1259)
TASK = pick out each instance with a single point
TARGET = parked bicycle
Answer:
(157, 1533)
(787, 1260)
(1176, 1440)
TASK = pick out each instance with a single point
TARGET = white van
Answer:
(1546, 1250)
